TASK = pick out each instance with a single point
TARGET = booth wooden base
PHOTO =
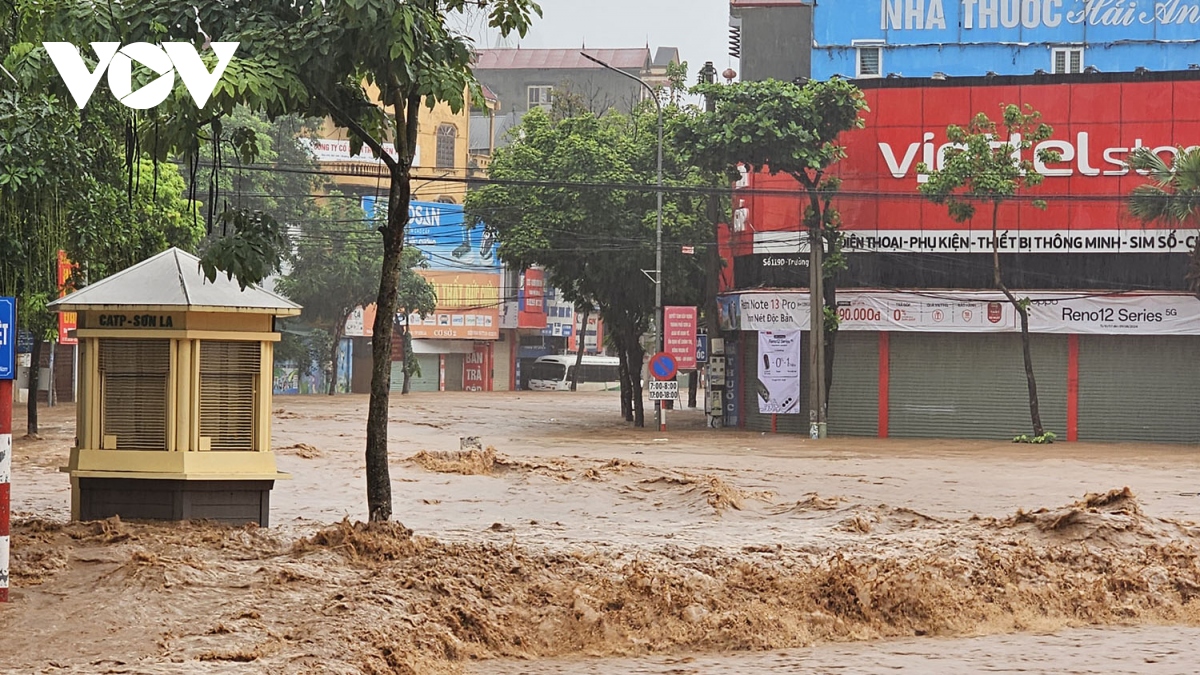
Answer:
(226, 501)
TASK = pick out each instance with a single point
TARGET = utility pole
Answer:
(816, 334)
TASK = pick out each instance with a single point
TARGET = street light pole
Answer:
(660, 417)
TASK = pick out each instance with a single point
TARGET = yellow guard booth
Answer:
(174, 403)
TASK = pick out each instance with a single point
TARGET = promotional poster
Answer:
(779, 372)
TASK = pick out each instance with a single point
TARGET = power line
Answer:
(705, 190)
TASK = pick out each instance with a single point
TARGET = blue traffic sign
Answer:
(701, 348)
(663, 366)
(8, 338)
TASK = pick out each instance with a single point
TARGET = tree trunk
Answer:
(830, 290)
(406, 368)
(579, 353)
(333, 358)
(35, 374)
(636, 355)
(626, 383)
(1035, 413)
(693, 385)
(379, 484)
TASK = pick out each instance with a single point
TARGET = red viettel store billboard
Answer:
(1096, 125)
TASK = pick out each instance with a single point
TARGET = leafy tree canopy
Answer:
(595, 241)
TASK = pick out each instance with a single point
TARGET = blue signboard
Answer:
(440, 231)
(916, 38)
(733, 401)
(8, 338)
(702, 348)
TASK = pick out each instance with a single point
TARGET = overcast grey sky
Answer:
(699, 28)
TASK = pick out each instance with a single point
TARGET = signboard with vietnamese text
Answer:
(477, 369)
(1060, 312)
(679, 335)
(67, 321)
(8, 338)
(532, 300)
(468, 307)
(1097, 125)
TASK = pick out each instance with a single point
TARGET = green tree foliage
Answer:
(253, 208)
(315, 58)
(783, 127)
(1172, 196)
(980, 169)
(595, 241)
(334, 268)
(62, 188)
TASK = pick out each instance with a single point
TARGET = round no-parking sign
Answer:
(663, 367)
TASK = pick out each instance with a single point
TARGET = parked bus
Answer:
(597, 373)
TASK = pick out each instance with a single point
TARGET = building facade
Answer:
(443, 140)
(771, 38)
(956, 38)
(926, 346)
(524, 79)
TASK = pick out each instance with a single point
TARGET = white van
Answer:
(597, 373)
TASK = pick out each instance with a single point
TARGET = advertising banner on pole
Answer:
(67, 321)
(532, 299)
(779, 372)
(679, 336)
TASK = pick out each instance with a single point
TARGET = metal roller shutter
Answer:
(1139, 388)
(133, 392)
(854, 396)
(958, 385)
(228, 376)
(756, 421)
(751, 418)
(427, 380)
(853, 399)
(454, 371)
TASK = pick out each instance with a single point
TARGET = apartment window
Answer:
(133, 393)
(447, 136)
(1067, 60)
(870, 61)
(539, 97)
(228, 389)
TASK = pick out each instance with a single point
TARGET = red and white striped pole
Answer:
(6, 446)
(8, 370)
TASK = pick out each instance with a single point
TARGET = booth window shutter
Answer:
(133, 383)
(228, 386)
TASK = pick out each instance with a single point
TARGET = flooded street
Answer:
(1155, 650)
(574, 544)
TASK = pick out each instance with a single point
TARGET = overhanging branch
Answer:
(341, 117)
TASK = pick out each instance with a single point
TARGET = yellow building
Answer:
(442, 153)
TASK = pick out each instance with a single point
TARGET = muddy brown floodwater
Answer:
(573, 544)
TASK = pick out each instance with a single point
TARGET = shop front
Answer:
(924, 364)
